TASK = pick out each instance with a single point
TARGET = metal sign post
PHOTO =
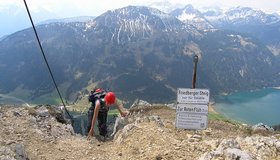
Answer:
(192, 105)
(195, 60)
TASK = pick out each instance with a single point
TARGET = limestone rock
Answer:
(234, 153)
(13, 152)
(6, 153)
(20, 152)
(42, 112)
(151, 133)
(261, 126)
(124, 133)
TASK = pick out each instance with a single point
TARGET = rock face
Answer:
(29, 124)
(261, 126)
(36, 133)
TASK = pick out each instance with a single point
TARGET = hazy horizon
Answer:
(71, 8)
(14, 15)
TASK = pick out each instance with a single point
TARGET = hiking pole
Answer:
(195, 60)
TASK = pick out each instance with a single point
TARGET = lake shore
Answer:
(212, 108)
(250, 107)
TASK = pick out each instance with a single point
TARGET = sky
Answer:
(70, 8)
(15, 18)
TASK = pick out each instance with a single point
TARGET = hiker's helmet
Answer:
(110, 98)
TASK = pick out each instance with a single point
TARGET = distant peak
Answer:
(189, 6)
(240, 9)
(132, 12)
(134, 22)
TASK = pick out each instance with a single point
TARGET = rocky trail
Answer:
(35, 133)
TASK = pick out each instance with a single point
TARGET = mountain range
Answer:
(68, 20)
(142, 52)
(264, 27)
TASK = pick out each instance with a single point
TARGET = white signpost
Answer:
(192, 108)
(198, 96)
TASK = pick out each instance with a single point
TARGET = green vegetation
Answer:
(82, 105)
(20, 93)
(45, 98)
(48, 99)
(216, 116)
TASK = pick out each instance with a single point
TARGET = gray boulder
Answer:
(261, 126)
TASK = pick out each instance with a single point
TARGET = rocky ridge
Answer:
(35, 133)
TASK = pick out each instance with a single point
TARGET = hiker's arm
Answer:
(96, 110)
(120, 108)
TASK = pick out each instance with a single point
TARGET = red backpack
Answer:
(96, 94)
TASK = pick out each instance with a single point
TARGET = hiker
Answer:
(101, 101)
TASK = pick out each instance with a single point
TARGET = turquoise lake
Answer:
(251, 107)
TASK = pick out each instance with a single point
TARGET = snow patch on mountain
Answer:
(275, 49)
(192, 16)
(245, 42)
(244, 15)
(278, 13)
(241, 72)
(186, 16)
(133, 22)
(165, 6)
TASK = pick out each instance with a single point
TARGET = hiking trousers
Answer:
(101, 119)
